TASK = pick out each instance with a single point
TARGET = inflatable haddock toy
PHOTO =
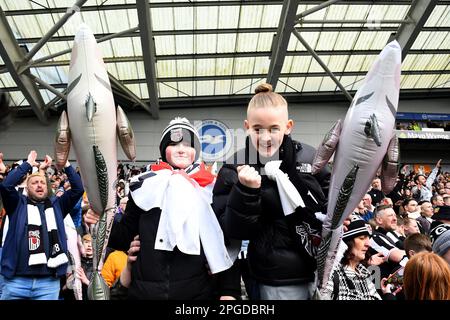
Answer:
(365, 140)
(93, 124)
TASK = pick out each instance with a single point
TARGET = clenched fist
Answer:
(249, 177)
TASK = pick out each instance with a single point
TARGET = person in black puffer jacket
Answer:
(282, 247)
(166, 209)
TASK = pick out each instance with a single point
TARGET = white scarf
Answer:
(187, 218)
(289, 195)
(34, 236)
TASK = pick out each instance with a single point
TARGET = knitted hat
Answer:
(179, 129)
(356, 228)
(441, 213)
(440, 238)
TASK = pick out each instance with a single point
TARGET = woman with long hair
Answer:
(426, 277)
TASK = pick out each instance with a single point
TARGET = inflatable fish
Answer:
(365, 140)
(92, 124)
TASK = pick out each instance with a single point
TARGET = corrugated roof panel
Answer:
(346, 40)
(426, 81)
(380, 40)
(48, 74)
(348, 82)
(185, 68)
(185, 88)
(310, 37)
(140, 69)
(312, 84)
(364, 41)
(106, 49)
(296, 83)
(58, 46)
(318, 15)
(204, 88)
(443, 81)
(117, 20)
(243, 65)
(299, 64)
(135, 88)
(357, 12)
(438, 17)
(336, 12)
(408, 81)
(184, 44)
(246, 42)
(224, 66)
(241, 86)
(112, 68)
(127, 70)
(183, 18)
(46, 95)
(164, 45)
(137, 46)
(144, 91)
(207, 17)
(123, 47)
(326, 41)
(395, 12)
(271, 16)
(315, 66)
(19, 5)
(265, 41)
(287, 64)
(206, 43)
(228, 17)
(226, 42)
(166, 68)
(222, 87)
(355, 63)
(437, 40)
(281, 86)
(162, 19)
(261, 65)
(337, 63)
(205, 67)
(7, 80)
(18, 98)
(166, 90)
(250, 16)
(327, 84)
(421, 40)
(24, 26)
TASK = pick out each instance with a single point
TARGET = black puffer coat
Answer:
(172, 275)
(281, 248)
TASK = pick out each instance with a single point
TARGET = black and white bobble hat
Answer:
(179, 129)
(356, 228)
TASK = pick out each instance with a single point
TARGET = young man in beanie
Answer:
(181, 254)
(34, 252)
(440, 234)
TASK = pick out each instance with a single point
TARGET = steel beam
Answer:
(148, 51)
(117, 85)
(281, 40)
(13, 56)
(131, 6)
(69, 12)
(322, 64)
(418, 14)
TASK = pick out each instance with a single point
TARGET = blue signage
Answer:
(423, 116)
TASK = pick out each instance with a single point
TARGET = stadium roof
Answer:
(195, 53)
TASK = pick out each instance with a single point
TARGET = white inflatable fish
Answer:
(366, 139)
(91, 124)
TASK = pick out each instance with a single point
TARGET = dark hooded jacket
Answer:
(282, 248)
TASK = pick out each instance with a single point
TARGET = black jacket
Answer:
(278, 250)
(172, 275)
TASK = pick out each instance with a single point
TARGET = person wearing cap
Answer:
(351, 279)
(423, 189)
(34, 254)
(440, 237)
(180, 253)
(441, 215)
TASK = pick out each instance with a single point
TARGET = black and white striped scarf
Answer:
(35, 240)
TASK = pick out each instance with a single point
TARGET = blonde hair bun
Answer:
(264, 87)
